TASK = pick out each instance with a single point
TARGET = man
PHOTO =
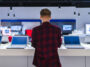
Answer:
(46, 39)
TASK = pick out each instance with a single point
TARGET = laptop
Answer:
(4, 39)
(19, 42)
(72, 42)
(87, 39)
(0, 39)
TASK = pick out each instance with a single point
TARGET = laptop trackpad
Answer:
(15, 48)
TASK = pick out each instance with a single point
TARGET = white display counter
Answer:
(29, 51)
(24, 57)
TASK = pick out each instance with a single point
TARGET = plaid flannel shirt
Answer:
(46, 39)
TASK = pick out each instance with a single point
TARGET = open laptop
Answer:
(72, 42)
(4, 39)
(0, 39)
(19, 42)
(87, 39)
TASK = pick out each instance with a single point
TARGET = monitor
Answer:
(66, 26)
(87, 29)
(71, 40)
(16, 28)
(29, 25)
(19, 40)
(6, 31)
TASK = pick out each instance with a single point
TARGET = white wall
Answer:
(83, 18)
(57, 13)
(34, 12)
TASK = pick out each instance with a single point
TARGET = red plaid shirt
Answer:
(46, 39)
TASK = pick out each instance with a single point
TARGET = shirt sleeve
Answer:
(34, 39)
(59, 37)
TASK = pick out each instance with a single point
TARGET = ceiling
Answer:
(59, 3)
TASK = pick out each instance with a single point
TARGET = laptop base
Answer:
(15, 48)
(73, 47)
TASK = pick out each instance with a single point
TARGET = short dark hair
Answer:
(45, 12)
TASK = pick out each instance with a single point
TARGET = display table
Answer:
(24, 57)
(30, 52)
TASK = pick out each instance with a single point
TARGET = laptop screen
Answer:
(71, 40)
(0, 39)
(16, 28)
(19, 40)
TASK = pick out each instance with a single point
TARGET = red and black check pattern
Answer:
(46, 38)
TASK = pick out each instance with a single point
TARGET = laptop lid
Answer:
(71, 40)
(87, 39)
(0, 39)
(4, 38)
(19, 41)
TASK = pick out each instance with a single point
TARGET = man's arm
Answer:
(59, 37)
(34, 41)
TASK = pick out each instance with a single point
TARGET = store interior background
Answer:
(82, 17)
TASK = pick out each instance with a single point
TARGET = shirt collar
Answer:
(44, 23)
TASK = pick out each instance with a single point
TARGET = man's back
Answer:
(46, 40)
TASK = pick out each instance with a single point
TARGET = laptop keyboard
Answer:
(75, 47)
(14, 48)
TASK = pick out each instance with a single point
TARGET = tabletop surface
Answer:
(29, 51)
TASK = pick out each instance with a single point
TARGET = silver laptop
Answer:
(87, 39)
(4, 39)
(19, 42)
(0, 39)
(72, 42)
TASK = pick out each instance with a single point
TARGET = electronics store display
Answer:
(66, 27)
(72, 42)
(87, 29)
(19, 42)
